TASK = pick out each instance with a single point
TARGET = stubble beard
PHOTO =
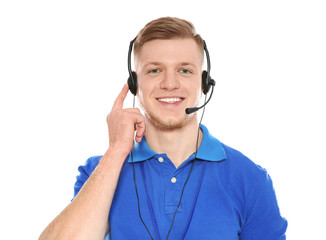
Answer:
(168, 125)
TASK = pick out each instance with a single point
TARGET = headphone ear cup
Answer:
(132, 82)
(206, 79)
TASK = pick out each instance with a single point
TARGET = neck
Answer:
(178, 144)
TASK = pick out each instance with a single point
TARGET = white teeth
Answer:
(170, 100)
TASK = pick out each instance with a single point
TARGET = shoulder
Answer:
(261, 218)
(229, 163)
(90, 165)
(85, 171)
(240, 174)
(242, 164)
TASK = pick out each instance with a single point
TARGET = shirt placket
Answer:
(173, 180)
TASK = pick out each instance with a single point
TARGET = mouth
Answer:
(170, 99)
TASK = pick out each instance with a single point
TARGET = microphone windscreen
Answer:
(191, 110)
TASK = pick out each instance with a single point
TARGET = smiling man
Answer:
(169, 73)
(164, 176)
(169, 81)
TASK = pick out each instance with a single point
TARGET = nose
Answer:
(170, 81)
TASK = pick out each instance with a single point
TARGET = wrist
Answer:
(113, 159)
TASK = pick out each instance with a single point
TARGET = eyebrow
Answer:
(152, 63)
(181, 64)
(188, 64)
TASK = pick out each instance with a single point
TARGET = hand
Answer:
(123, 123)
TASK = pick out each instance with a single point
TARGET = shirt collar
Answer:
(210, 149)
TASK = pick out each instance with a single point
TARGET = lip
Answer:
(170, 100)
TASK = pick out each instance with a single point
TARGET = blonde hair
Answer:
(166, 28)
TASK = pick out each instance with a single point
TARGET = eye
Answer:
(154, 70)
(185, 71)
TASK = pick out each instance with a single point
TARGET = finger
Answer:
(140, 132)
(118, 103)
(132, 110)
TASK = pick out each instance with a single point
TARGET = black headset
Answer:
(207, 81)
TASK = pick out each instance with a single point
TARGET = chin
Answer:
(168, 125)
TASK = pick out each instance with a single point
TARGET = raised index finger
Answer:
(118, 103)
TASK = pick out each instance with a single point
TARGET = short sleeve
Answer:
(84, 172)
(263, 218)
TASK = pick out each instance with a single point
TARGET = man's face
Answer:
(169, 80)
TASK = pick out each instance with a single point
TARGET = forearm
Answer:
(86, 217)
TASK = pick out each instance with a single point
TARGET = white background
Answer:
(62, 63)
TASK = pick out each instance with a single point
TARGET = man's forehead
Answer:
(182, 51)
(145, 64)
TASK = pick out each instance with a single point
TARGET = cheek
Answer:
(144, 89)
(197, 90)
(200, 93)
(197, 93)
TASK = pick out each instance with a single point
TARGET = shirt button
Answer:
(160, 159)
(173, 180)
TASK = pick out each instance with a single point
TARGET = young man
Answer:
(175, 181)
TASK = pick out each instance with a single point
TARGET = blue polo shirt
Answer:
(227, 196)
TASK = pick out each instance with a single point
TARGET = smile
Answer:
(170, 100)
